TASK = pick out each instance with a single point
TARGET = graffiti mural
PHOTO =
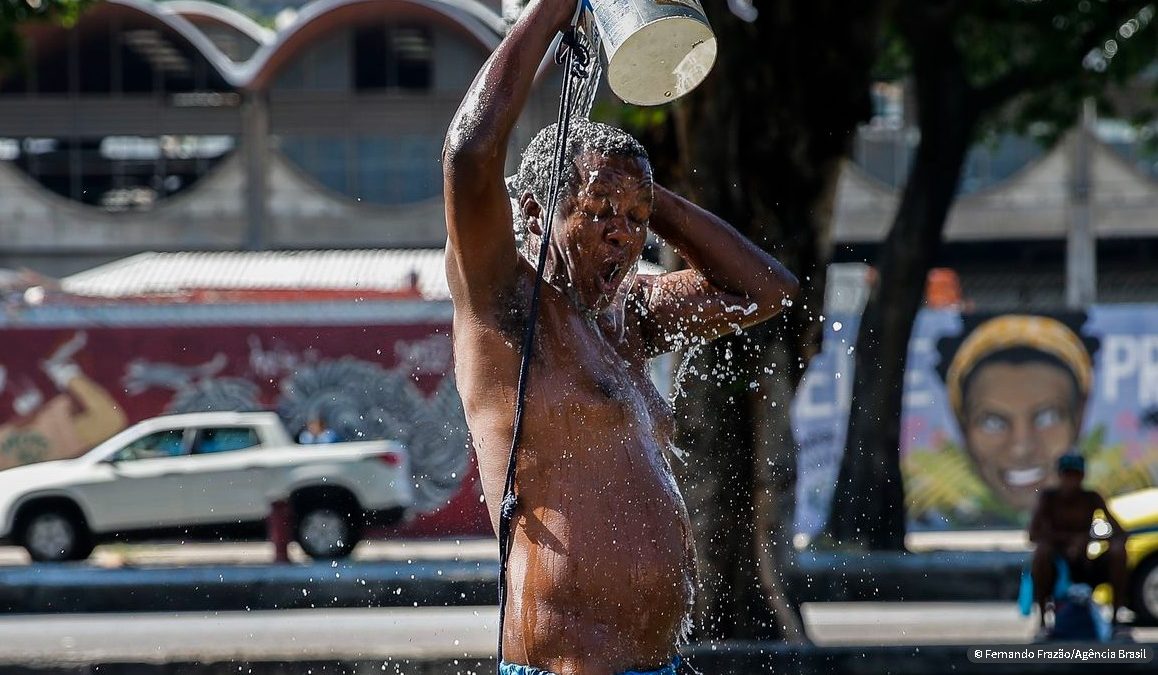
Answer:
(56, 409)
(63, 391)
(990, 403)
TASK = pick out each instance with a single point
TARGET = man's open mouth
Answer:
(610, 278)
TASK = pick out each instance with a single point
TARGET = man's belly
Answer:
(602, 561)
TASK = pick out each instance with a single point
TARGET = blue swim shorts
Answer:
(516, 669)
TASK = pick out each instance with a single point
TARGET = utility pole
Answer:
(1081, 243)
(255, 149)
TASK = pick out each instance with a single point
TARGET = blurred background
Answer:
(235, 207)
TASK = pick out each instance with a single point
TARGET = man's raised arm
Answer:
(481, 257)
(731, 283)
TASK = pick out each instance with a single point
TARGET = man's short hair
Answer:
(1071, 462)
(585, 136)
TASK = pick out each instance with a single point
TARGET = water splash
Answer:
(586, 89)
(744, 10)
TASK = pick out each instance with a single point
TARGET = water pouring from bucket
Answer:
(657, 50)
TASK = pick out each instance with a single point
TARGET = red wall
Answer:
(107, 378)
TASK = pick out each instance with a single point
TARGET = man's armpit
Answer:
(511, 307)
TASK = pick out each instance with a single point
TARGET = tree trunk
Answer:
(761, 143)
(868, 509)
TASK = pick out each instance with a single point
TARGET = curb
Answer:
(813, 577)
(78, 588)
(946, 576)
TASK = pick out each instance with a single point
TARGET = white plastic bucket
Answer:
(657, 50)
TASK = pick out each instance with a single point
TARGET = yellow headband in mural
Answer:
(1009, 332)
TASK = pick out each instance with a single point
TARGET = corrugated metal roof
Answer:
(370, 312)
(375, 270)
(159, 273)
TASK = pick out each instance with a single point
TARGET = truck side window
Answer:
(166, 443)
(224, 439)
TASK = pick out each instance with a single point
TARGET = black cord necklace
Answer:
(575, 56)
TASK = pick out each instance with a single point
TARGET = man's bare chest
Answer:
(576, 375)
(1072, 514)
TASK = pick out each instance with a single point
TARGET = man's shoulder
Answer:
(493, 306)
(476, 275)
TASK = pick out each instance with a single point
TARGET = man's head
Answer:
(603, 207)
(1071, 470)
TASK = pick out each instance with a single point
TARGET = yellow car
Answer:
(1137, 512)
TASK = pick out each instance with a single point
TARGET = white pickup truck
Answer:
(204, 475)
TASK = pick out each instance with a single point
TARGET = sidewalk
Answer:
(227, 577)
(437, 637)
(259, 553)
(969, 540)
(475, 548)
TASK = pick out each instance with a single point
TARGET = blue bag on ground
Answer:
(1078, 617)
(1025, 592)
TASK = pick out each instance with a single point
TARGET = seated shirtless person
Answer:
(1061, 529)
(602, 561)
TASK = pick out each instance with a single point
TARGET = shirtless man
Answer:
(602, 561)
(1061, 528)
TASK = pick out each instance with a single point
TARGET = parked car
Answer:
(204, 475)
(1137, 512)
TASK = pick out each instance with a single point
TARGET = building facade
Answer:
(183, 125)
(186, 126)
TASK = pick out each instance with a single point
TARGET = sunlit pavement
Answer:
(259, 553)
(438, 632)
(478, 548)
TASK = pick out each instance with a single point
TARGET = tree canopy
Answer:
(13, 13)
(974, 64)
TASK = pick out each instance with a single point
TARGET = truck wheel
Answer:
(55, 535)
(327, 532)
(1144, 593)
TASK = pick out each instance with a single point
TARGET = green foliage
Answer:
(13, 13)
(894, 59)
(1032, 62)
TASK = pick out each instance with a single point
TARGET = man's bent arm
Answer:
(732, 282)
(481, 256)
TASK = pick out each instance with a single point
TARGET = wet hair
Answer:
(539, 157)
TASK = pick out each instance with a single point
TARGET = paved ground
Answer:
(120, 555)
(438, 632)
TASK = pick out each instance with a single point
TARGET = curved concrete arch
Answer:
(480, 25)
(34, 218)
(304, 213)
(155, 13)
(227, 16)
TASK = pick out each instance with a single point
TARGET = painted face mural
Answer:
(1018, 386)
(990, 402)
